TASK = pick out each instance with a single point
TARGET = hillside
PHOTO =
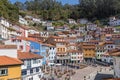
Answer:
(9, 11)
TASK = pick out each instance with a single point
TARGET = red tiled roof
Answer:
(8, 61)
(28, 55)
(8, 47)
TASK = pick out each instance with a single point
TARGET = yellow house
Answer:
(10, 68)
(89, 51)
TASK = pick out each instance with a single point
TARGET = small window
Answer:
(3, 72)
(21, 47)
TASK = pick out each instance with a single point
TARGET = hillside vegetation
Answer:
(9, 11)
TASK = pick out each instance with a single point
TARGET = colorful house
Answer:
(88, 51)
(31, 69)
(10, 68)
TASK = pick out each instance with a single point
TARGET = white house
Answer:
(51, 50)
(114, 22)
(44, 34)
(31, 69)
(75, 56)
(4, 22)
(22, 21)
(106, 57)
(8, 50)
(22, 43)
(4, 32)
(83, 21)
(71, 21)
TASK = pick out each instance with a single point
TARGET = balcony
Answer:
(63, 57)
(35, 50)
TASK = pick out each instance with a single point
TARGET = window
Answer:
(37, 69)
(24, 72)
(21, 47)
(3, 72)
(31, 71)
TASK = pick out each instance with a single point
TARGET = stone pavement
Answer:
(89, 73)
(81, 73)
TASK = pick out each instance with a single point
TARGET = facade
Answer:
(75, 56)
(116, 62)
(4, 22)
(22, 43)
(31, 68)
(8, 50)
(114, 22)
(89, 51)
(4, 32)
(82, 21)
(100, 50)
(10, 68)
(22, 21)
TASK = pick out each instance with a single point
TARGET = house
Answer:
(110, 45)
(49, 28)
(80, 29)
(75, 56)
(8, 50)
(4, 32)
(61, 34)
(31, 68)
(71, 21)
(61, 50)
(82, 21)
(113, 21)
(107, 58)
(44, 34)
(100, 50)
(51, 54)
(71, 40)
(22, 43)
(10, 68)
(91, 26)
(80, 38)
(22, 20)
(87, 38)
(4, 22)
(72, 34)
(88, 52)
(37, 36)
(107, 30)
(116, 63)
(23, 29)
(38, 47)
(36, 20)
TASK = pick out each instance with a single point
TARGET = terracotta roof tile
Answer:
(28, 55)
(7, 61)
(8, 47)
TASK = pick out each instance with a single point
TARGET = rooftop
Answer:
(28, 55)
(8, 61)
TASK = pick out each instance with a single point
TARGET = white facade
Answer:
(52, 54)
(83, 21)
(116, 64)
(107, 58)
(22, 21)
(44, 34)
(4, 22)
(71, 21)
(21, 44)
(31, 69)
(76, 56)
(114, 22)
(4, 32)
(8, 52)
